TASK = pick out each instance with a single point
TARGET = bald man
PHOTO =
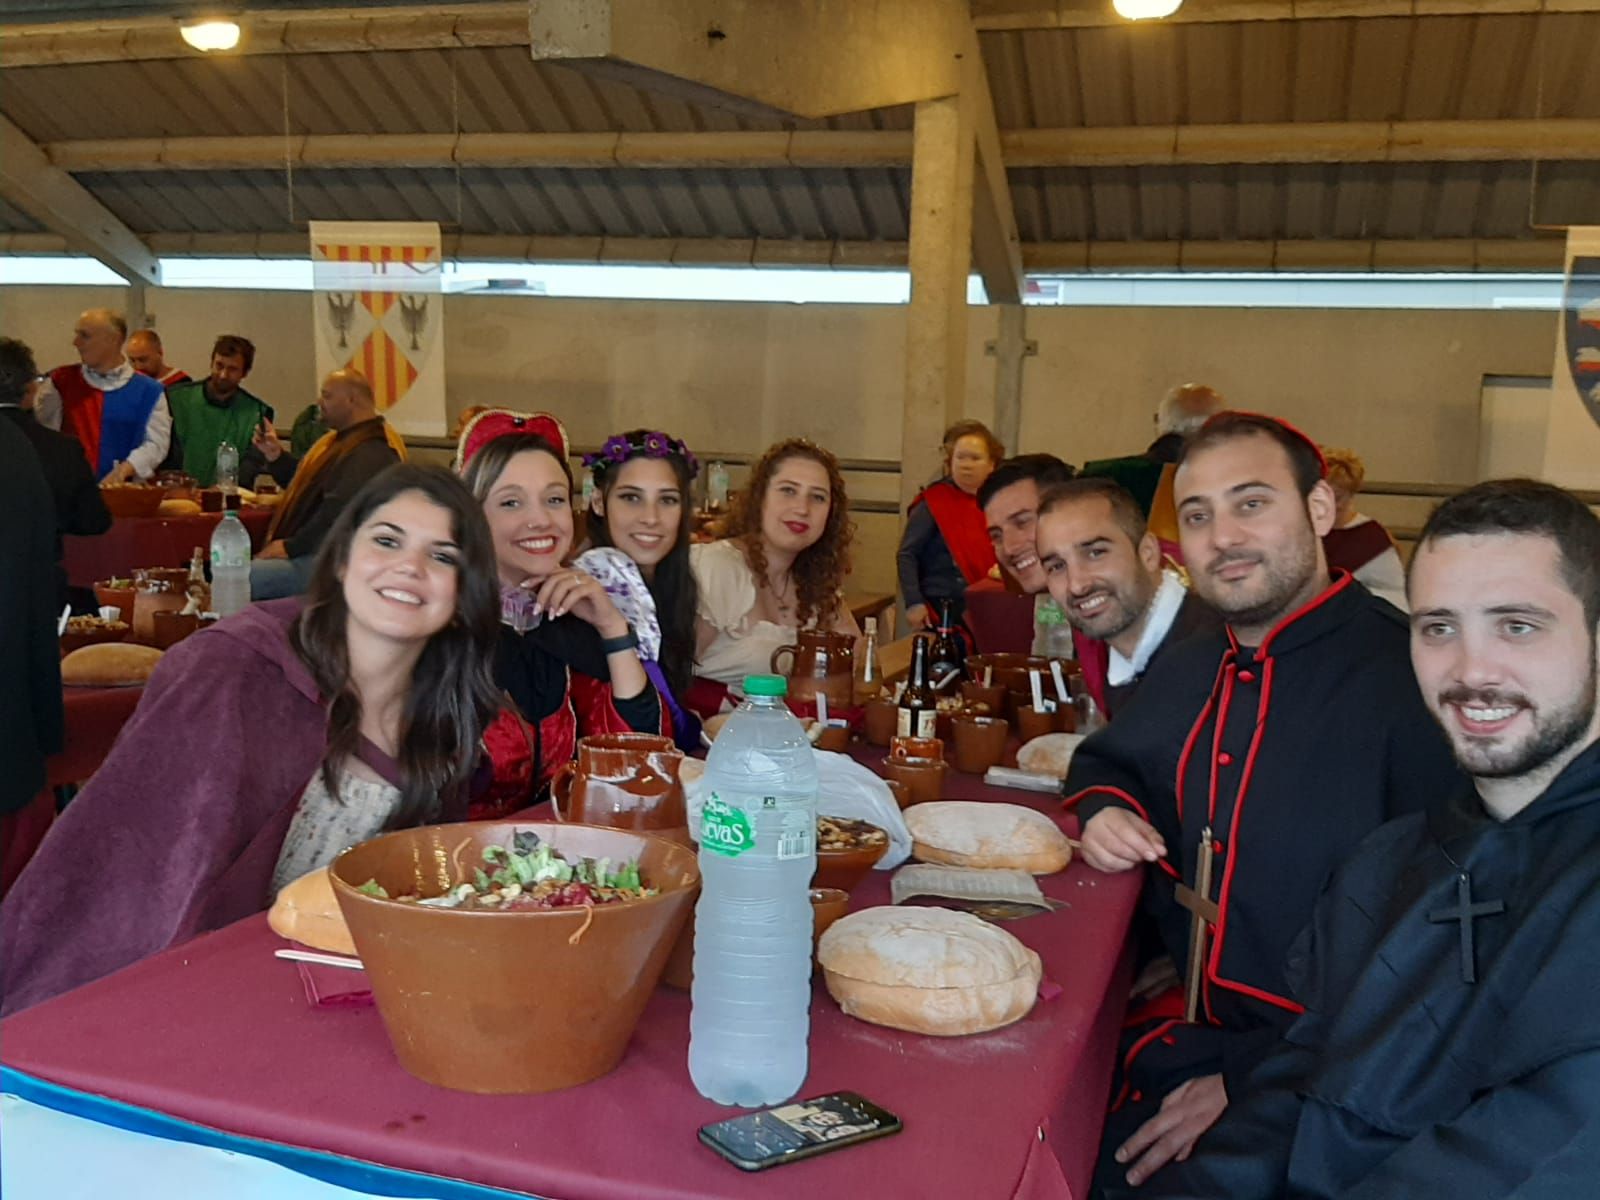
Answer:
(359, 445)
(148, 357)
(117, 415)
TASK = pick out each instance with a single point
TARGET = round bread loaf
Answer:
(178, 508)
(1049, 754)
(110, 664)
(928, 970)
(976, 833)
(307, 911)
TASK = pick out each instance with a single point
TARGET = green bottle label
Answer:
(725, 829)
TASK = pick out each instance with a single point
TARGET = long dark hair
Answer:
(673, 587)
(452, 696)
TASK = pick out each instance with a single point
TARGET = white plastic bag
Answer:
(844, 789)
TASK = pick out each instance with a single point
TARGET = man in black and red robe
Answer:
(1289, 736)
(1450, 1043)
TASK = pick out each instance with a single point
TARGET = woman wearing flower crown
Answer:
(640, 525)
(780, 569)
(567, 656)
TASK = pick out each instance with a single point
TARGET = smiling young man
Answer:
(1103, 568)
(1284, 739)
(1450, 1044)
(1010, 502)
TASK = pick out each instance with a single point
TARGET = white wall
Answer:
(1401, 387)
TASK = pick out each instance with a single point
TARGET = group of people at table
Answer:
(1371, 842)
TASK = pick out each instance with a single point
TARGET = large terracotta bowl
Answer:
(517, 1001)
(71, 640)
(132, 499)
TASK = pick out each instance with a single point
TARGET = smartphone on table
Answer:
(790, 1132)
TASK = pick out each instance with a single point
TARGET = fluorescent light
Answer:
(1146, 10)
(210, 35)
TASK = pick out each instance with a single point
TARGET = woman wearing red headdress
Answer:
(566, 656)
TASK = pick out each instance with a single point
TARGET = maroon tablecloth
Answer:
(218, 1032)
(1001, 621)
(94, 718)
(134, 542)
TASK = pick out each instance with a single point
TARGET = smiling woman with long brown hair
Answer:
(264, 746)
(566, 655)
(781, 567)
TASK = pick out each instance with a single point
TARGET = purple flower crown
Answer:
(619, 449)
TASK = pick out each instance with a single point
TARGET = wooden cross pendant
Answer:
(1466, 911)
(1203, 914)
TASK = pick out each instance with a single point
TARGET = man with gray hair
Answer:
(1179, 416)
(117, 415)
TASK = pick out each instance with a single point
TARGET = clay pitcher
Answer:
(625, 781)
(820, 661)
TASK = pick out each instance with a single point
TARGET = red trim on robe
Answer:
(1214, 961)
(1144, 814)
(1138, 1048)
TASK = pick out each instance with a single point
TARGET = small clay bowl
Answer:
(923, 777)
(1032, 723)
(106, 595)
(912, 747)
(843, 869)
(835, 738)
(980, 743)
(170, 628)
(827, 906)
(993, 698)
(900, 792)
(882, 716)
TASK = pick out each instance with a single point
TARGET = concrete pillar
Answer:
(134, 311)
(1011, 348)
(940, 258)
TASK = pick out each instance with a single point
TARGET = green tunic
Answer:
(201, 426)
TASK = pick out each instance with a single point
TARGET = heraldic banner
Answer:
(1573, 454)
(379, 307)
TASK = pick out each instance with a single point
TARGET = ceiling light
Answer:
(210, 35)
(1146, 10)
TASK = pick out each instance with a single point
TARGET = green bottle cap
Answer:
(766, 685)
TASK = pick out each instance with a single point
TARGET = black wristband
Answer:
(628, 641)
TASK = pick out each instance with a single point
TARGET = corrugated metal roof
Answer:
(493, 90)
(1432, 68)
(857, 205)
(1265, 202)
(1488, 67)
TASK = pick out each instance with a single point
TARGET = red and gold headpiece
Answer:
(495, 423)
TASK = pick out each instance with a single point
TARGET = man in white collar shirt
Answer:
(1103, 568)
(117, 415)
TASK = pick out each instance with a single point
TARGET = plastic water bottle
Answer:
(751, 1011)
(230, 565)
(227, 467)
(1052, 636)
